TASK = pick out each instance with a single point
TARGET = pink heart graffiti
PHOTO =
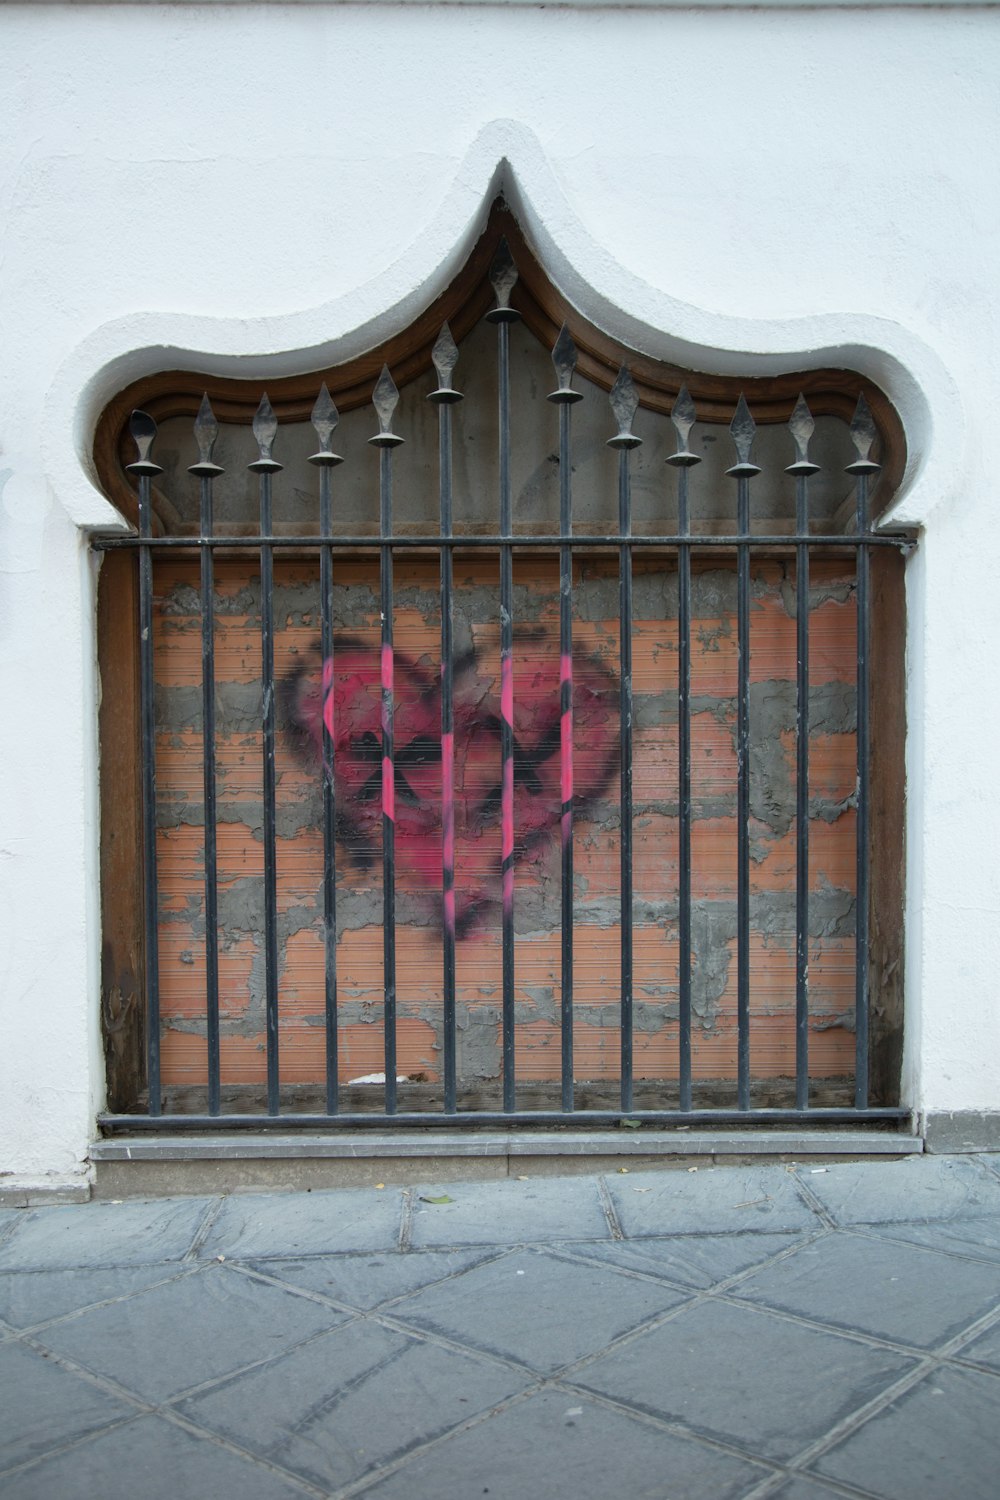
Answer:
(346, 693)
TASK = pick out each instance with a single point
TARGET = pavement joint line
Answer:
(667, 1424)
(610, 1212)
(405, 1221)
(392, 1466)
(777, 1482)
(306, 1293)
(249, 1268)
(855, 1335)
(219, 1440)
(876, 1233)
(812, 1202)
(105, 1383)
(204, 1228)
(988, 1166)
(215, 1382)
(857, 1419)
(451, 1344)
(932, 1360)
(80, 1441)
(88, 1307)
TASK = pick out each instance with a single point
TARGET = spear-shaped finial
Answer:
(863, 435)
(683, 417)
(503, 277)
(265, 430)
(743, 429)
(206, 430)
(142, 430)
(564, 359)
(324, 418)
(802, 427)
(385, 398)
(624, 400)
(445, 358)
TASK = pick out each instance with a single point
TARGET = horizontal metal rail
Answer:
(845, 540)
(188, 1124)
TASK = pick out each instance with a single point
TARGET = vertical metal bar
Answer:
(143, 430)
(863, 435)
(683, 417)
(386, 398)
(265, 428)
(624, 402)
(206, 431)
(503, 276)
(445, 357)
(564, 359)
(743, 429)
(324, 419)
(802, 427)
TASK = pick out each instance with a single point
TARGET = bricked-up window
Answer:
(731, 1035)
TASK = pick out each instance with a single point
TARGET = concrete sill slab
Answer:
(168, 1164)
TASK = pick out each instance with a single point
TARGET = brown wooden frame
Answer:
(830, 392)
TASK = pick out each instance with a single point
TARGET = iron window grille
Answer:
(737, 545)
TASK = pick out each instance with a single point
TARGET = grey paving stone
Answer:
(558, 1446)
(29, 1297)
(201, 1326)
(976, 1237)
(103, 1234)
(292, 1224)
(148, 1459)
(693, 1260)
(912, 1189)
(746, 1376)
(351, 1401)
(532, 1307)
(937, 1442)
(897, 1291)
(366, 1281)
(45, 1405)
(719, 1200)
(509, 1213)
(985, 1349)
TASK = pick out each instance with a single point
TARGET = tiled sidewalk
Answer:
(692, 1335)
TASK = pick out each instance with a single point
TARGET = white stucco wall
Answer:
(772, 187)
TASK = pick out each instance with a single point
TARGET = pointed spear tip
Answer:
(564, 351)
(324, 415)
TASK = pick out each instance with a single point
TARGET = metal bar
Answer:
(683, 417)
(863, 750)
(564, 359)
(143, 431)
(265, 429)
(802, 427)
(743, 429)
(324, 419)
(445, 356)
(325, 1124)
(386, 398)
(503, 276)
(863, 435)
(788, 540)
(624, 404)
(625, 843)
(206, 431)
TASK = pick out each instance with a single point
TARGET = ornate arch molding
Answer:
(544, 309)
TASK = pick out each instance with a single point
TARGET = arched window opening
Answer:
(516, 726)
